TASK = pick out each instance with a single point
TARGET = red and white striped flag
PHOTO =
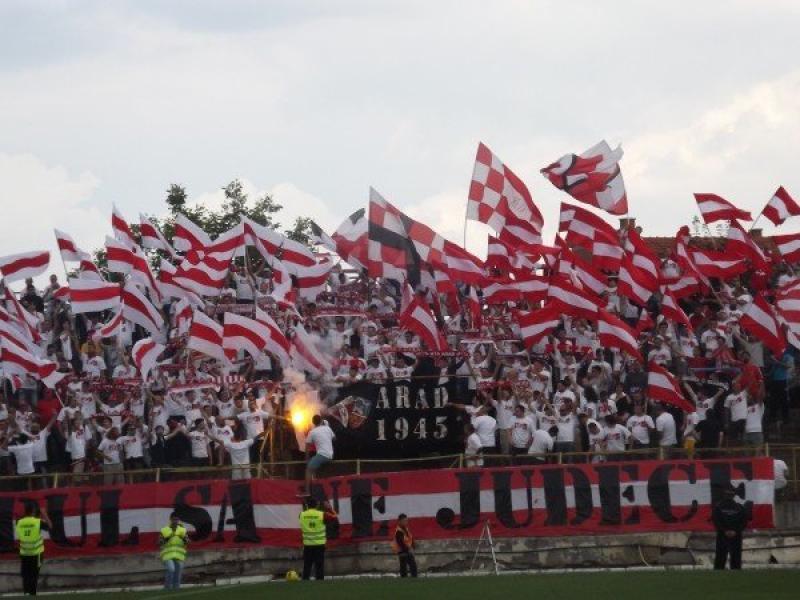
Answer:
(122, 231)
(243, 333)
(26, 321)
(536, 324)
(169, 288)
(717, 264)
(498, 255)
(520, 234)
(311, 281)
(88, 295)
(203, 274)
(418, 318)
(572, 300)
(645, 322)
(16, 361)
(643, 257)
(153, 238)
(278, 344)
(715, 208)
(633, 282)
(137, 309)
(13, 334)
(463, 266)
(671, 310)
(113, 327)
(741, 244)
(685, 286)
(128, 259)
(182, 311)
(89, 270)
(584, 227)
(788, 246)
(188, 235)
(570, 263)
(205, 336)
(16, 267)
(305, 354)
(145, 353)
(760, 320)
(663, 387)
(68, 248)
(496, 192)
(614, 333)
(780, 207)
(269, 242)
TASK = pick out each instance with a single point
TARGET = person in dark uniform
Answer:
(403, 544)
(730, 518)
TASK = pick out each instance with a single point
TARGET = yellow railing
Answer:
(294, 470)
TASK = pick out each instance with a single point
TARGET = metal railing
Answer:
(294, 470)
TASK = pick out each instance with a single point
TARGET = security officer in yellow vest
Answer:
(31, 546)
(173, 541)
(312, 526)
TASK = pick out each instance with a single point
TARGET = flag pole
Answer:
(756, 220)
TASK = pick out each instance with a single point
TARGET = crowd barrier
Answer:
(294, 470)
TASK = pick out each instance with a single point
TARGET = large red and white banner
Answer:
(546, 500)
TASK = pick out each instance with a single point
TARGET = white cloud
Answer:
(38, 197)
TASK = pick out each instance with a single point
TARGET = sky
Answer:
(316, 101)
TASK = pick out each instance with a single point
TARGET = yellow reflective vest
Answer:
(312, 524)
(173, 543)
(29, 534)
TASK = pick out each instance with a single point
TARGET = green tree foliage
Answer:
(300, 231)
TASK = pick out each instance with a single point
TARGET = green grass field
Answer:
(669, 585)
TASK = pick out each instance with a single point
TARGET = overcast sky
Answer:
(107, 101)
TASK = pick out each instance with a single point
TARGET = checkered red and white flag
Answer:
(390, 252)
(593, 177)
(496, 192)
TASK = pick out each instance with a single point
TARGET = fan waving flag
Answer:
(418, 318)
(145, 353)
(593, 177)
(17, 267)
(715, 208)
(495, 193)
(614, 333)
(662, 386)
(780, 207)
(760, 320)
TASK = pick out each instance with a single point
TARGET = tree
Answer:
(301, 230)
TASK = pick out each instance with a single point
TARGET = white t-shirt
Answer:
(239, 451)
(781, 472)
(111, 450)
(94, 366)
(505, 413)
(640, 428)
(473, 447)
(485, 427)
(566, 427)
(39, 442)
(703, 406)
(253, 422)
(322, 437)
(737, 403)
(199, 441)
(542, 442)
(753, 420)
(665, 424)
(616, 438)
(123, 372)
(23, 453)
(522, 429)
(76, 445)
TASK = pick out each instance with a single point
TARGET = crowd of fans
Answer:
(564, 394)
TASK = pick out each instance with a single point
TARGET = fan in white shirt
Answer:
(665, 425)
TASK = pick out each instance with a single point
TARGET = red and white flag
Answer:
(349, 241)
(418, 318)
(11, 332)
(188, 235)
(17, 267)
(717, 264)
(740, 243)
(137, 309)
(312, 280)
(788, 246)
(122, 231)
(520, 234)
(759, 319)
(685, 259)
(715, 208)
(663, 387)
(278, 344)
(305, 355)
(498, 255)
(169, 288)
(153, 238)
(16, 361)
(645, 322)
(26, 321)
(671, 310)
(536, 324)
(113, 327)
(203, 274)
(243, 334)
(89, 270)
(572, 300)
(633, 282)
(780, 207)
(685, 286)
(463, 266)
(128, 259)
(89, 295)
(205, 336)
(68, 248)
(643, 257)
(570, 263)
(145, 353)
(612, 332)
(593, 177)
(495, 192)
(182, 314)
(269, 242)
